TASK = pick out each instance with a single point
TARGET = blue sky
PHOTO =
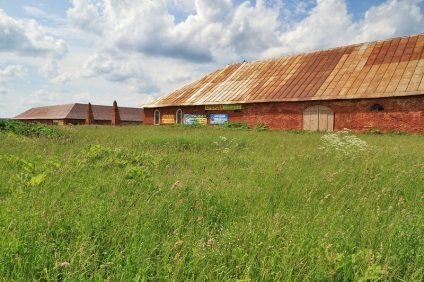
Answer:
(57, 52)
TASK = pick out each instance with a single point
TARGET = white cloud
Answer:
(50, 69)
(330, 24)
(43, 15)
(26, 37)
(184, 5)
(213, 11)
(251, 29)
(85, 15)
(61, 79)
(40, 97)
(13, 71)
(301, 7)
(391, 19)
(115, 68)
(3, 91)
(318, 29)
(146, 27)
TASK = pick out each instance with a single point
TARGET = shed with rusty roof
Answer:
(374, 85)
(82, 114)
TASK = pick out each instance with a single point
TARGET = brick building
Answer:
(375, 85)
(76, 114)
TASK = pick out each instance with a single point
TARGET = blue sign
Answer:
(218, 118)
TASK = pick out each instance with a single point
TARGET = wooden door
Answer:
(318, 118)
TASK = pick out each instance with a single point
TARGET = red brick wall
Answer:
(66, 121)
(399, 114)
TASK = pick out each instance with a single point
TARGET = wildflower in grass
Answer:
(210, 242)
(64, 264)
(226, 145)
(177, 256)
(178, 244)
(343, 143)
(400, 202)
(223, 144)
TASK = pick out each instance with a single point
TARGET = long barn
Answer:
(374, 85)
(78, 114)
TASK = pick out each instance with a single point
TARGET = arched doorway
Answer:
(157, 117)
(179, 115)
(318, 118)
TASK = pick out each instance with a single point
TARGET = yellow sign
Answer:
(223, 107)
(167, 119)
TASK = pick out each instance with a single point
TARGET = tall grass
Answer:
(204, 204)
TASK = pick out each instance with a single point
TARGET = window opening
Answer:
(377, 108)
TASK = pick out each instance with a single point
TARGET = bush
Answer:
(180, 125)
(235, 125)
(260, 127)
(373, 131)
(31, 129)
(397, 133)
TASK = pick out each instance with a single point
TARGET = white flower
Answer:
(348, 145)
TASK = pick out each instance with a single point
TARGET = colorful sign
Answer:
(167, 119)
(223, 107)
(195, 119)
(218, 118)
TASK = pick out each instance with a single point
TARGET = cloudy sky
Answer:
(133, 51)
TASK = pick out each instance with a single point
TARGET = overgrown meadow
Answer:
(210, 204)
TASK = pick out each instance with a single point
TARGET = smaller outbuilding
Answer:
(79, 114)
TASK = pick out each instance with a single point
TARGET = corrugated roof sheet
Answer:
(48, 112)
(387, 68)
(79, 111)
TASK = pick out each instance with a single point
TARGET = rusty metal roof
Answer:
(386, 68)
(78, 111)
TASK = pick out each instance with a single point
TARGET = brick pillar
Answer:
(116, 119)
(89, 117)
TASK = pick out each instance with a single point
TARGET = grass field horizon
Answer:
(142, 203)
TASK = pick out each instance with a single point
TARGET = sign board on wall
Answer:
(223, 107)
(167, 119)
(195, 119)
(218, 118)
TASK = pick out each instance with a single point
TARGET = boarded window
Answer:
(179, 116)
(318, 118)
(157, 117)
(377, 108)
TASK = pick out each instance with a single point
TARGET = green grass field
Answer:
(206, 204)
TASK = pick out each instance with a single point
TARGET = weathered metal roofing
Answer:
(131, 114)
(48, 112)
(386, 68)
(78, 111)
